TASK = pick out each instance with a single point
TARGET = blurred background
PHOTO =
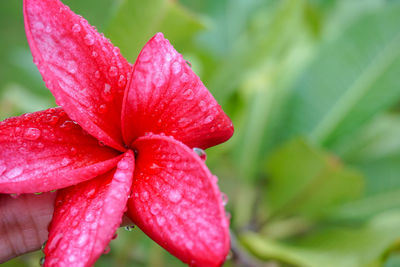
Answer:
(313, 88)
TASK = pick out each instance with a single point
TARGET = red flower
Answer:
(122, 141)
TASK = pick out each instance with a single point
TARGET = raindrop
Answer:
(189, 244)
(116, 51)
(43, 245)
(188, 94)
(201, 153)
(145, 55)
(113, 71)
(76, 28)
(3, 167)
(39, 26)
(72, 258)
(89, 217)
(74, 211)
(32, 134)
(176, 67)
(72, 67)
(155, 209)
(121, 81)
(159, 79)
(184, 78)
(97, 74)
(14, 172)
(89, 40)
(107, 95)
(73, 151)
(129, 228)
(203, 106)
(160, 220)
(144, 196)
(188, 63)
(208, 119)
(102, 108)
(94, 54)
(42, 260)
(82, 240)
(224, 198)
(123, 165)
(65, 162)
(174, 196)
(38, 193)
(53, 120)
(230, 255)
(114, 236)
(40, 145)
(107, 250)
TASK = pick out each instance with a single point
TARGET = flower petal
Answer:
(84, 71)
(45, 150)
(87, 215)
(177, 203)
(166, 96)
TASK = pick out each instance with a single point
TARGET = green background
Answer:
(313, 89)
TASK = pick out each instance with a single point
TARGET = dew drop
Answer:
(42, 260)
(40, 145)
(203, 106)
(3, 167)
(94, 54)
(74, 211)
(159, 79)
(201, 153)
(32, 134)
(114, 236)
(102, 108)
(38, 193)
(76, 28)
(89, 217)
(121, 81)
(184, 78)
(174, 196)
(14, 172)
(107, 95)
(113, 71)
(160, 220)
(208, 119)
(123, 165)
(129, 228)
(73, 151)
(89, 40)
(82, 240)
(224, 198)
(43, 245)
(53, 120)
(176, 67)
(188, 94)
(155, 208)
(189, 244)
(107, 250)
(72, 67)
(144, 196)
(145, 55)
(72, 258)
(188, 63)
(116, 51)
(97, 74)
(39, 26)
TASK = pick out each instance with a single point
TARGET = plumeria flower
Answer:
(124, 140)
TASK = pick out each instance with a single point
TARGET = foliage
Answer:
(313, 171)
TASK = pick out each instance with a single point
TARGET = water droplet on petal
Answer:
(43, 245)
(39, 26)
(97, 74)
(159, 79)
(208, 119)
(144, 196)
(203, 106)
(155, 208)
(72, 67)
(176, 67)
(102, 108)
(201, 153)
(145, 56)
(107, 250)
(94, 54)
(116, 51)
(32, 134)
(89, 217)
(89, 40)
(184, 78)
(76, 28)
(82, 240)
(121, 81)
(224, 198)
(42, 260)
(188, 94)
(107, 94)
(3, 167)
(123, 165)
(129, 228)
(160, 220)
(113, 71)
(73, 151)
(174, 196)
(40, 145)
(188, 63)
(14, 172)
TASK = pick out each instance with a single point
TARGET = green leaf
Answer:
(357, 246)
(304, 180)
(353, 78)
(135, 22)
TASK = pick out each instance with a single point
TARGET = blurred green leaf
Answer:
(135, 22)
(305, 180)
(342, 88)
(357, 246)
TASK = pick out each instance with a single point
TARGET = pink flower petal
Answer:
(45, 150)
(84, 71)
(175, 200)
(166, 96)
(87, 215)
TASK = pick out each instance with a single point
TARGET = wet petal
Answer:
(85, 72)
(87, 215)
(175, 200)
(45, 150)
(166, 96)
